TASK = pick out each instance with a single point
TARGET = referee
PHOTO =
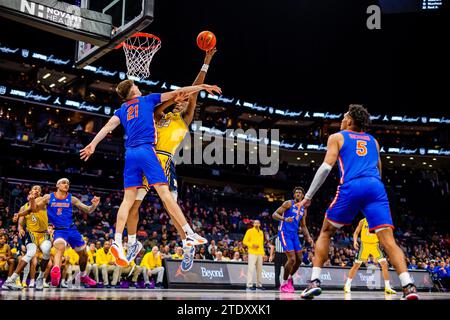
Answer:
(278, 257)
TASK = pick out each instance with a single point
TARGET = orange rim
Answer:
(137, 35)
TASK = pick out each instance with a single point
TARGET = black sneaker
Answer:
(251, 289)
(410, 292)
(312, 291)
(260, 289)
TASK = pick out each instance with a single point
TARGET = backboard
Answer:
(127, 18)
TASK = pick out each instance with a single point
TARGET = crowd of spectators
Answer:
(224, 227)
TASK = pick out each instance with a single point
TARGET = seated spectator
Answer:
(236, 257)
(165, 253)
(6, 258)
(125, 271)
(73, 266)
(219, 256)
(413, 265)
(178, 253)
(92, 265)
(107, 265)
(152, 265)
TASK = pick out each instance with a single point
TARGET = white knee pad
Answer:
(31, 252)
(46, 246)
(141, 194)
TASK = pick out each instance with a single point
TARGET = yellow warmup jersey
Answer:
(366, 236)
(36, 221)
(171, 131)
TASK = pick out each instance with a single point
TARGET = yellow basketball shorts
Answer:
(368, 249)
(168, 166)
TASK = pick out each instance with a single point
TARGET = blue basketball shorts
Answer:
(367, 195)
(71, 235)
(289, 241)
(142, 161)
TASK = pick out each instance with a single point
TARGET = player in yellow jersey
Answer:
(369, 246)
(36, 236)
(171, 127)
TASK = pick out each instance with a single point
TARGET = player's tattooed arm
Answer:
(356, 235)
(188, 113)
(305, 230)
(85, 208)
(279, 213)
(113, 122)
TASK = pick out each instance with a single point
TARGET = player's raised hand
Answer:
(87, 152)
(305, 203)
(21, 232)
(212, 89)
(180, 97)
(95, 201)
(209, 55)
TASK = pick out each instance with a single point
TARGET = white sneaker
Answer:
(195, 240)
(347, 289)
(119, 255)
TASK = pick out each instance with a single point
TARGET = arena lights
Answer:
(45, 76)
(231, 101)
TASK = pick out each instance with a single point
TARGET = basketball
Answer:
(206, 40)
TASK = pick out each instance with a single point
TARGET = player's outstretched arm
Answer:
(190, 90)
(379, 159)
(356, 234)
(85, 208)
(279, 213)
(305, 229)
(323, 171)
(188, 114)
(113, 122)
(160, 108)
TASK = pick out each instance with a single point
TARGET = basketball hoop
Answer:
(139, 50)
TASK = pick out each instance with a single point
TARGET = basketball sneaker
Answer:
(291, 285)
(312, 291)
(134, 250)
(285, 288)
(118, 254)
(347, 289)
(11, 285)
(410, 292)
(87, 281)
(195, 240)
(389, 291)
(40, 283)
(24, 284)
(55, 275)
(188, 258)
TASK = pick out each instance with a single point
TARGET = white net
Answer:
(139, 50)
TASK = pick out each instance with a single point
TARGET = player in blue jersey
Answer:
(290, 215)
(136, 115)
(59, 207)
(360, 189)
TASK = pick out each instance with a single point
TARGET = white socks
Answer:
(14, 277)
(83, 274)
(387, 285)
(187, 228)
(184, 243)
(118, 239)
(316, 271)
(131, 239)
(348, 282)
(405, 278)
